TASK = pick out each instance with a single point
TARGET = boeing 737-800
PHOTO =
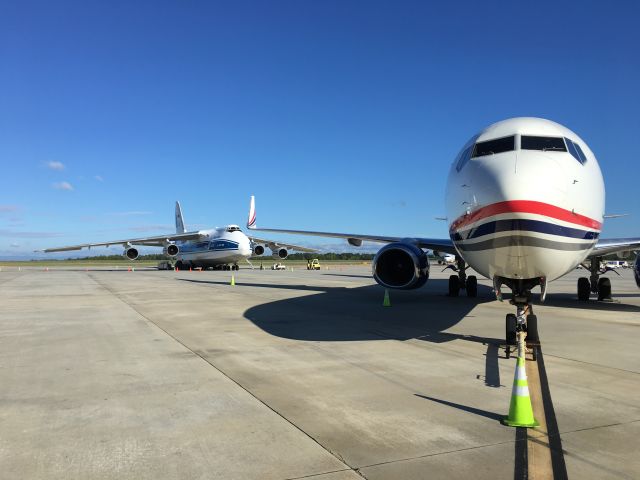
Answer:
(221, 247)
(525, 199)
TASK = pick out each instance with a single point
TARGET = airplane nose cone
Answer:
(522, 176)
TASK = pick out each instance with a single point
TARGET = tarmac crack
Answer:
(336, 455)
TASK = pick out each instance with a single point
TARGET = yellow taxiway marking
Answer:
(538, 451)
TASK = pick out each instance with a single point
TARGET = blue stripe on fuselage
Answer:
(523, 225)
(213, 245)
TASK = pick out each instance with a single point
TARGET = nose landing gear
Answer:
(461, 281)
(523, 323)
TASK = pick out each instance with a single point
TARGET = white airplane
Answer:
(445, 258)
(221, 247)
(525, 203)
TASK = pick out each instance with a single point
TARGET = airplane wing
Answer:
(157, 241)
(615, 245)
(272, 244)
(355, 239)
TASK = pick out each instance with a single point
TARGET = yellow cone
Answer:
(233, 280)
(520, 410)
(387, 301)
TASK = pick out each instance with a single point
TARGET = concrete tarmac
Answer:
(156, 374)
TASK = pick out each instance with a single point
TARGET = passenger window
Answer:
(491, 147)
(555, 144)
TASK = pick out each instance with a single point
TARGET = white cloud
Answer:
(22, 234)
(98, 178)
(8, 208)
(53, 165)
(63, 186)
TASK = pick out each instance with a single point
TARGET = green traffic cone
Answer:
(520, 410)
(233, 280)
(387, 301)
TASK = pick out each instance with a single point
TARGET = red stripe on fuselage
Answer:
(525, 206)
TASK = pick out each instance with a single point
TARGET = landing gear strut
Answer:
(461, 281)
(523, 322)
(595, 284)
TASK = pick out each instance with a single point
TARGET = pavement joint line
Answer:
(447, 452)
(320, 474)
(597, 427)
(9, 280)
(333, 454)
(594, 364)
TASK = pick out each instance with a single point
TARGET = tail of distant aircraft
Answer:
(251, 221)
(179, 220)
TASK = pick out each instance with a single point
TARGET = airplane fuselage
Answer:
(531, 211)
(218, 246)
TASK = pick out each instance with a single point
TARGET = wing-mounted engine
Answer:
(636, 270)
(171, 250)
(401, 265)
(258, 250)
(279, 252)
(130, 253)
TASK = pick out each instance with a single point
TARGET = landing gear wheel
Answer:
(604, 289)
(511, 324)
(584, 289)
(454, 286)
(472, 286)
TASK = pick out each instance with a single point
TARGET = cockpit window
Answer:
(576, 151)
(491, 147)
(546, 144)
(464, 158)
(583, 157)
(233, 228)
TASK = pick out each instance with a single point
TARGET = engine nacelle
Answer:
(636, 270)
(258, 250)
(131, 253)
(401, 265)
(280, 253)
(171, 250)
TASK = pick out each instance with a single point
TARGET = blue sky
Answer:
(338, 116)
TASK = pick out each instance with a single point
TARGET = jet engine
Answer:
(280, 253)
(171, 250)
(131, 253)
(258, 250)
(401, 265)
(636, 270)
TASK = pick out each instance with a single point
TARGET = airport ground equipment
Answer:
(313, 264)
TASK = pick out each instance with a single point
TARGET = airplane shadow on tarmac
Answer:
(355, 314)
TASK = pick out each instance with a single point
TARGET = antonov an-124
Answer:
(219, 248)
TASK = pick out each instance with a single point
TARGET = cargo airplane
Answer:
(221, 247)
(525, 203)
